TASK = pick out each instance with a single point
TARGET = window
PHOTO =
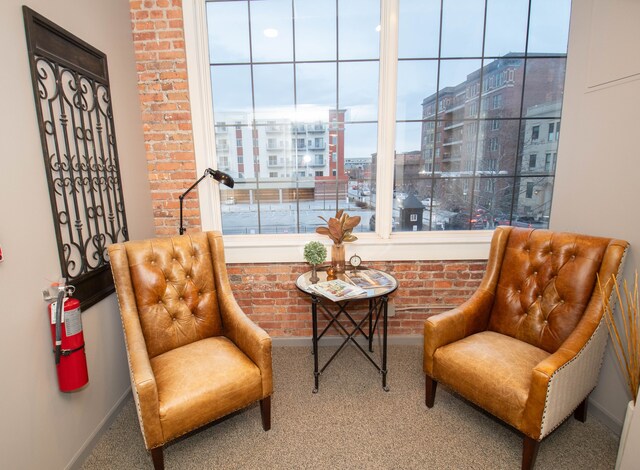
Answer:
(473, 109)
(497, 102)
(551, 134)
(547, 162)
(532, 161)
(323, 68)
(535, 132)
(529, 189)
(273, 174)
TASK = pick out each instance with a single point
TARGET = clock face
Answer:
(355, 261)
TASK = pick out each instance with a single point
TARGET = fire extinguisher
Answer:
(68, 341)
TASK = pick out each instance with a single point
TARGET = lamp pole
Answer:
(217, 175)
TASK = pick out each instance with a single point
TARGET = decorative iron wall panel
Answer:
(73, 104)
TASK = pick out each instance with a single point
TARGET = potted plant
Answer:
(315, 253)
(625, 339)
(340, 230)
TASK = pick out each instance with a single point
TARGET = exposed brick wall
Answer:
(266, 292)
(158, 37)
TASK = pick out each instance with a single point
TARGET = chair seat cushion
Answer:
(490, 369)
(203, 381)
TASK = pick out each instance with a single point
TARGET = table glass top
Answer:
(363, 277)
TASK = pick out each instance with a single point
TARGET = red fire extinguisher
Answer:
(68, 341)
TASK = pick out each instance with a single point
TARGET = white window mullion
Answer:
(386, 115)
(202, 121)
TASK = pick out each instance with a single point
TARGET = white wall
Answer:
(597, 186)
(40, 426)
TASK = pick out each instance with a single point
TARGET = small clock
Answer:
(355, 261)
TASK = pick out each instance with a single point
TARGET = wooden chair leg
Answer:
(265, 411)
(581, 411)
(430, 386)
(158, 458)
(529, 452)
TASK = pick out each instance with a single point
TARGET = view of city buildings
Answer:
(476, 135)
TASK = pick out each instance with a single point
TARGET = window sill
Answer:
(427, 246)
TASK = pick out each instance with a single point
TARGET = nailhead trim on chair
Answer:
(550, 420)
(136, 398)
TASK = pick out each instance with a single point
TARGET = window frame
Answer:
(383, 245)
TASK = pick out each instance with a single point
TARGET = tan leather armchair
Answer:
(194, 356)
(528, 345)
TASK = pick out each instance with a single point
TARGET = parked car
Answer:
(462, 221)
(529, 222)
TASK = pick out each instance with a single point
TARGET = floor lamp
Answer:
(217, 175)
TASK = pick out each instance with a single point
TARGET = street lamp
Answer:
(217, 175)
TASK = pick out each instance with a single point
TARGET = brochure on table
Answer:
(369, 279)
(337, 290)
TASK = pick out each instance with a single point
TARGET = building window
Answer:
(324, 64)
(547, 162)
(497, 102)
(535, 133)
(273, 174)
(551, 135)
(473, 109)
(529, 189)
(532, 161)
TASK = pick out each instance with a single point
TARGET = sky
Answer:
(319, 86)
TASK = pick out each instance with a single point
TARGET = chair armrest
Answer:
(249, 337)
(143, 382)
(562, 381)
(469, 318)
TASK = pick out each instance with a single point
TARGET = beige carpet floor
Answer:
(351, 423)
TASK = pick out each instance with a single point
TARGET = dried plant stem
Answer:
(625, 332)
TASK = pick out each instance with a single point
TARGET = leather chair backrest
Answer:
(545, 283)
(175, 291)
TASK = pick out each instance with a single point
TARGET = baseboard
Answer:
(606, 418)
(395, 340)
(85, 451)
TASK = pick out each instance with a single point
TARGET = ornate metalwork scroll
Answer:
(73, 103)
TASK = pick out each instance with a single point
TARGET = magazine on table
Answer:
(337, 290)
(369, 279)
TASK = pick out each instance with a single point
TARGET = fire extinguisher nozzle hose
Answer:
(59, 310)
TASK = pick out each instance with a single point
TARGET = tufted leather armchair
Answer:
(194, 356)
(528, 345)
